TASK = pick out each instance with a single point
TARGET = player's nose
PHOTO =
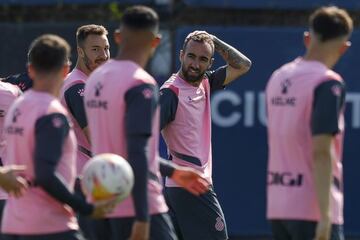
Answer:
(195, 64)
(104, 54)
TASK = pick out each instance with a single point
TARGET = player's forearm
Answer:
(231, 55)
(46, 160)
(55, 188)
(322, 172)
(137, 158)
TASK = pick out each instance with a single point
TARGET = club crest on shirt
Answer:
(336, 90)
(219, 225)
(57, 122)
(148, 93)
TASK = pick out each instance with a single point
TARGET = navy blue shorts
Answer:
(301, 230)
(69, 235)
(195, 217)
(161, 228)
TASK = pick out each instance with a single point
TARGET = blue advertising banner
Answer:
(281, 4)
(239, 125)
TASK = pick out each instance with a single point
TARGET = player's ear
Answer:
(181, 55)
(66, 69)
(30, 70)
(307, 38)
(117, 37)
(156, 41)
(211, 63)
(80, 51)
(345, 47)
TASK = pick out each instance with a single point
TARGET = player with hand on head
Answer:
(43, 141)
(305, 104)
(186, 128)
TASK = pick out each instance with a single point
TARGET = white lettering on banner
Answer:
(354, 100)
(244, 105)
(233, 118)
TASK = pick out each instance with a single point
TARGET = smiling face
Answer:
(195, 60)
(94, 51)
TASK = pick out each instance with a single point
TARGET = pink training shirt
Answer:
(8, 94)
(289, 96)
(105, 107)
(188, 136)
(36, 212)
(75, 77)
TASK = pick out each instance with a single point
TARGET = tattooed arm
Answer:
(238, 63)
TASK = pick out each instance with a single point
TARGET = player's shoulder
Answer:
(171, 85)
(142, 75)
(75, 76)
(285, 68)
(55, 106)
(9, 89)
(332, 75)
(43, 101)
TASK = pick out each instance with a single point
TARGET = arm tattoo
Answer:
(232, 56)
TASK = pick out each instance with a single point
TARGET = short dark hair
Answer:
(199, 37)
(84, 31)
(330, 23)
(48, 53)
(140, 18)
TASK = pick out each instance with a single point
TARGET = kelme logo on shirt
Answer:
(285, 85)
(16, 113)
(15, 130)
(97, 103)
(287, 179)
(81, 92)
(98, 88)
(284, 100)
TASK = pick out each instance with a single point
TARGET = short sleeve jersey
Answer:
(106, 91)
(186, 121)
(303, 99)
(37, 212)
(72, 94)
(8, 94)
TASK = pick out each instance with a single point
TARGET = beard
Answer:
(92, 65)
(196, 76)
